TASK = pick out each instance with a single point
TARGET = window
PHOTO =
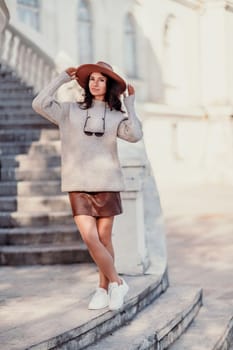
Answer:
(130, 52)
(174, 61)
(85, 51)
(29, 12)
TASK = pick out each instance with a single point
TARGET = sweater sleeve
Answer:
(130, 128)
(45, 103)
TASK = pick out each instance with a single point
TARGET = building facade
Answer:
(177, 53)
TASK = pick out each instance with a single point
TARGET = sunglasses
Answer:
(90, 133)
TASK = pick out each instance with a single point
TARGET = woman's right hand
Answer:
(71, 71)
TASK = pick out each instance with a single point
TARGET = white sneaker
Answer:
(100, 299)
(117, 293)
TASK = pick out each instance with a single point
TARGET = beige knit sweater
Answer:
(89, 163)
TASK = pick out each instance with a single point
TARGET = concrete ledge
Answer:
(25, 135)
(57, 317)
(159, 325)
(43, 254)
(17, 219)
(39, 235)
(212, 329)
(34, 204)
(30, 188)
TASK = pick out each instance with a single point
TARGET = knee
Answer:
(88, 230)
(90, 240)
(106, 240)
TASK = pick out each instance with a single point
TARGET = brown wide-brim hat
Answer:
(83, 72)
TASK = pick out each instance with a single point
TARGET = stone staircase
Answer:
(36, 225)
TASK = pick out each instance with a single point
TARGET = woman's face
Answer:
(98, 85)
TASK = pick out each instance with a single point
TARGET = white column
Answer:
(138, 234)
(129, 236)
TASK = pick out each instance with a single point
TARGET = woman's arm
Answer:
(130, 129)
(45, 103)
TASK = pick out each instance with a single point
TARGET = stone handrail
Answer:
(4, 15)
(30, 63)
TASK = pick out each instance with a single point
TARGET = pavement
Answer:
(199, 226)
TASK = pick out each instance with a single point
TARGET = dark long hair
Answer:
(112, 96)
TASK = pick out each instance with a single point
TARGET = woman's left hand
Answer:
(71, 71)
(129, 90)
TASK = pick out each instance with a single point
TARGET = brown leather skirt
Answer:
(95, 204)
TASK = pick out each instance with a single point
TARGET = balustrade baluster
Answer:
(17, 55)
(13, 44)
(27, 64)
(19, 65)
(43, 76)
(31, 64)
(40, 74)
(33, 77)
(10, 48)
(6, 46)
(24, 64)
(46, 74)
(1, 42)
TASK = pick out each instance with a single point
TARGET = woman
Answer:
(91, 172)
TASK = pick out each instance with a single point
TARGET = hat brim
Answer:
(83, 72)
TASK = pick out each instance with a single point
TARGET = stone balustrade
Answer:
(4, 15)
(30, 63)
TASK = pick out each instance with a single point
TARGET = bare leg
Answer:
(88, 229)
(104, 227)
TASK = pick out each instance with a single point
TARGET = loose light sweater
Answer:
(88, 163)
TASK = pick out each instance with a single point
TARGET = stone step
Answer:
(27, 219)
(25, 161)
(39, 235)
(4, 71)
(30, 188)
(13, 148)
(211, 330)
(34, 204)
(44, 254)
(7, 77)
(33, 148)
(28, 135)
(67, 324)
(12, 104)
(16, 95)
(8, 204)
(159, 325)
(16, 114)
(7, 71)
(24, 123)
(15, 86)
(16, 174)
